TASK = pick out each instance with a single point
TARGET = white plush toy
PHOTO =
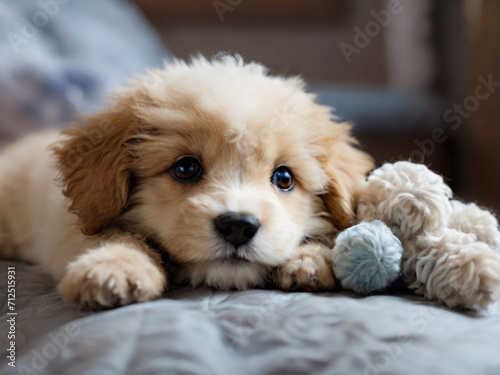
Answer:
(442, 248)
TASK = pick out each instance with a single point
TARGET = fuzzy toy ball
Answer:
(367, 257)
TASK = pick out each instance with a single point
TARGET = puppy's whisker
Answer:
(166, 240)
(179, 248)
(158, 237)
(148, 236)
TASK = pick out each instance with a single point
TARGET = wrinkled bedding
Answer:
(203, 331)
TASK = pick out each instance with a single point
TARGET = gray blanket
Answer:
(203, 331)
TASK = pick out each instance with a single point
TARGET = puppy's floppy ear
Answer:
(347, 167)
(94, 163)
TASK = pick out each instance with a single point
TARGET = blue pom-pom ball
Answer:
(367, 257)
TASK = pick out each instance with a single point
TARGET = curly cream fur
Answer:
(408, 197)
(453, 267)
(450, 248)
(470, 218)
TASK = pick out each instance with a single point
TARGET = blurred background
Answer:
(419, 79)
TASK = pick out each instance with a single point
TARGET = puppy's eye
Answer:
(187, 169)
(283, 178)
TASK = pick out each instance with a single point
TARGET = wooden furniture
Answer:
(481, 157)
(237, 11)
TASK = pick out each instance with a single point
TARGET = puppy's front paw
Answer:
(111, 276)
(308, 270)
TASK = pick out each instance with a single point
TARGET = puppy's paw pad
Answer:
(111, 276)
(306, 273)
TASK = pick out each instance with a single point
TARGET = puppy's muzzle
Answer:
(237, 228)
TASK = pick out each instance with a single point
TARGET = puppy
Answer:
(222, 170)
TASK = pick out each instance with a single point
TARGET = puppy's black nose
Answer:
(237, 228)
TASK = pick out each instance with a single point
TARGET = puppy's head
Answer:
(227, 168)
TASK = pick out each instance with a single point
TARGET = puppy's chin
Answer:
(226, 274)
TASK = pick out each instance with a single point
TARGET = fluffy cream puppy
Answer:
(208, 172)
